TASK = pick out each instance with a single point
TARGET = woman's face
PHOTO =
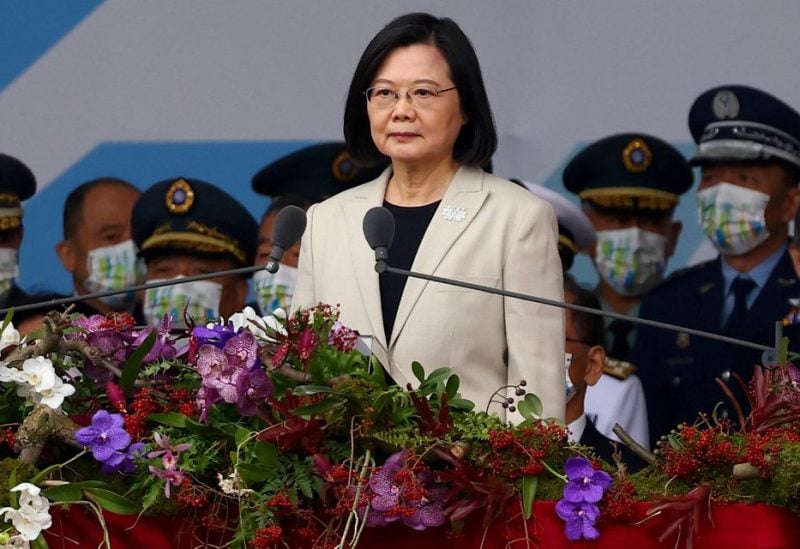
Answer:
(408, 132)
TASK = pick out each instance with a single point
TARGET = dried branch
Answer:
(40, 425)
(635, 447)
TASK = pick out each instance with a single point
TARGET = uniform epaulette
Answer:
(687, 271)
(619, 369)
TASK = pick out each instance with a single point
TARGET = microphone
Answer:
(379, 231)
(290, 223)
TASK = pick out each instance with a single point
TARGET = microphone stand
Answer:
(382, 266)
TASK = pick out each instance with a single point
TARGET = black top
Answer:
(410, 226)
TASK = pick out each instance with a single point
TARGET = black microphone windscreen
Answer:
(379, 227)
(289, 226)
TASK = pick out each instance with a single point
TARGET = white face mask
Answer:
(200, 300)
(632, 261)
(274, 291)
(570, 387)
(115, 268)
(732, 217)
(9, 270)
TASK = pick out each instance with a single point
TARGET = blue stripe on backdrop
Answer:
(691, 237)
(230, 165)
(28, 28)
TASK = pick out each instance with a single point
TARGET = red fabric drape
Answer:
(739, 525)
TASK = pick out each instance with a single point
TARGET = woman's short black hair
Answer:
(477, 140)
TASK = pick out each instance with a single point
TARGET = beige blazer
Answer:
(486, 231)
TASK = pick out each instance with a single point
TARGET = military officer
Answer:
(185, 227)
(748, 151)
(629, 185)
(301, 178)
(17, 183)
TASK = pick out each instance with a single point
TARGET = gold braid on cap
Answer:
(195, 238)
(10, 212)
(631, 198)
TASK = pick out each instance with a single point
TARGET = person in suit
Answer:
(97, 249)
(629, 185)
(585, 360)
(301, 178)
(187, 227)
(17, 183)
(417, 97)
(748, 150)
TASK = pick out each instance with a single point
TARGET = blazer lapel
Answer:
(459, 207)
(368, 196)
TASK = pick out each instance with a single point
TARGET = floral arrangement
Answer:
(278, 432)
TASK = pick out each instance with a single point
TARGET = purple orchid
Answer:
(388, 496)
(124, 462)
(233, 374)
(172, 477)
(580, 518)
(585, 483)
(165, 446)
(104, 436)
(217, 335)
(342, 337)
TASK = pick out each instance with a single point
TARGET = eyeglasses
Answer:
(421, 96)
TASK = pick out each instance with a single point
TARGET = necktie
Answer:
(735, 325)
(620, 329)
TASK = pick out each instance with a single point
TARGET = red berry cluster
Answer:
(266, 537)
(117, 322)
(523, 452)
(762, 448)
(280, 504)
(143, 406)
(618, 502)
(192, 495)
(8, 437)
(695, 448)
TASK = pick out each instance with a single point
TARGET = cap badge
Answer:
(725, 105)
(454, 213)
(343, 167)
(637, 156)
(682, 340)
(180, 197)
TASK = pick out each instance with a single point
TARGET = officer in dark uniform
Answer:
(17, 183)
(301, 178)
(749, 157)
(185, 227)
(629, 185)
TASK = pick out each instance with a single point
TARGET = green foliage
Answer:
(12, 472)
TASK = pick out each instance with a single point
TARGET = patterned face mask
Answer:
(200, 300)
(632, 261)
(9, 270)
(274, 291)
(115, 268)
(570, 387)
(732, 217)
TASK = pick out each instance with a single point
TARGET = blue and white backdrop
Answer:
(151, 89)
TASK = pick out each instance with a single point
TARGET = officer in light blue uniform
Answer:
(748, 151)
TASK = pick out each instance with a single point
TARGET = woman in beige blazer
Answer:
(417, 97)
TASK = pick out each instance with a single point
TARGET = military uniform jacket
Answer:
(678, 370)
(486, 231)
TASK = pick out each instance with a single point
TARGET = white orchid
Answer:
(10, 336)
(39, 373)
(54, 396)
(33, 514)
(10, 375)
(250, 319)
